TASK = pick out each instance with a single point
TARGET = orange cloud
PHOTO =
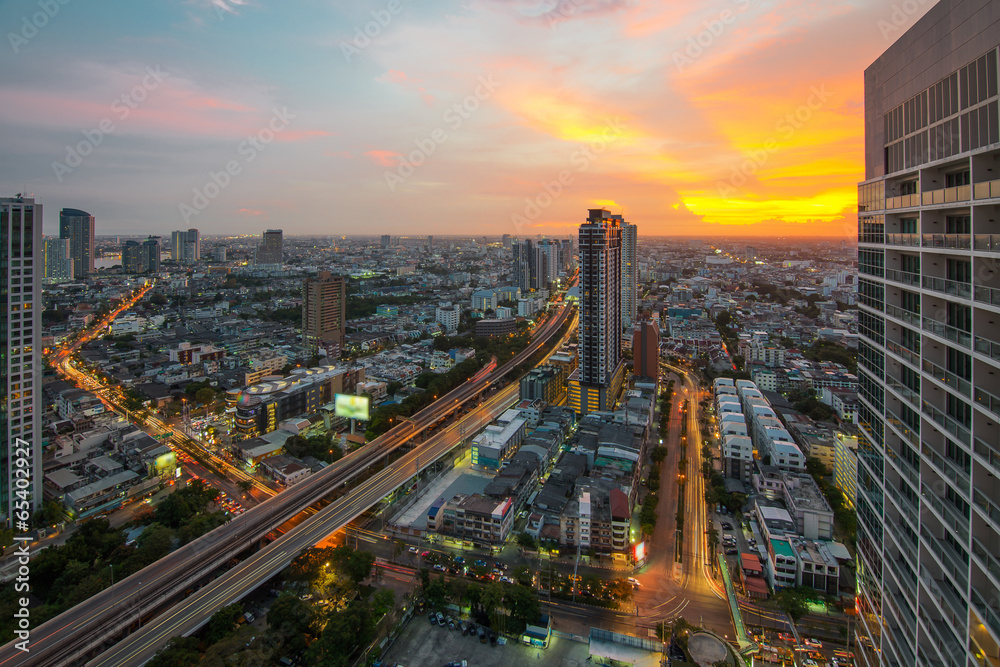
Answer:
(384, 158)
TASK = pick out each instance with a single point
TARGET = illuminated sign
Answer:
(350, 406)
(640, 552)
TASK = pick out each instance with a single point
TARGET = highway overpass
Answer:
(89, 627)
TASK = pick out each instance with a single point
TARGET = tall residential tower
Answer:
(630, 270)
(20, 350)
(595, 384)
(78, 227)
(928, 498)
(324, 313)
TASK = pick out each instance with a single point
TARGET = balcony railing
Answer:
(905, 240)
(948, 378)
(947, 195)
(906, 506)
(949, 287)
(904, 353)
(948, 241)
(987, 242)
(991, 615)
(991, 511)
(988, 400)
(990, 295)
(963, 338)
(905, 277)
(987, 190)
(910, 318)
(988, 348)
(987, 452)
(985, 555)
(950, 605)
(948, 423)
(907, 393)
(951, 562)
(948, 469)
(902, 201)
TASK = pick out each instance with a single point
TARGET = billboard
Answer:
(350, 406)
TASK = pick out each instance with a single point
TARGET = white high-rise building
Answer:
(58, 260)
(928, 501)
(185, 246)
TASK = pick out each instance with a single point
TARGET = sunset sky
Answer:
(719, 118)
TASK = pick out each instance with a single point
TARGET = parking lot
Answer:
(424, 645)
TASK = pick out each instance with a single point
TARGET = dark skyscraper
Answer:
(141, 257)
(595, 384)
(646, 349)
(324, 312)
(386, 241)
(524, 264)
(78, 227)
(928, 501)
(20, 350)
(271, 251)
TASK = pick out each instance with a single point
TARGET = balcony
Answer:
(903, 240)
(987, 242)
(948, 241)
(905, 505)
(904, 391)
(948, 378)
(988, 401)
(905, 277)
(946, 195)
(943, 330)
(988, 348)
(987, 190)
(903, 353)
(902, 201)
(991, 511)
(987, 452)
(952, 608)
(987, 560)
(913, 319)
(912, 435)
(949, 424)
(949, 287)
(989, 295)
(991, 615)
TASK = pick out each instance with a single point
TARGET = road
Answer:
(103, 616)
(668, 589)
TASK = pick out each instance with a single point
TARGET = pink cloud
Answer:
(250, 211)
(299, 135)
(384, 158)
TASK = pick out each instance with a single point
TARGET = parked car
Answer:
(432, 618)
(812, 643)
(727, 526)
(482, 635)
(412, 550)
(732, 551)
(785, 637)
(459, 560)
(440, 618)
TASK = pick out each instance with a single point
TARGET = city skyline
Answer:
(149, 130)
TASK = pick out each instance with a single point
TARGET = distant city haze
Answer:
(709, 118)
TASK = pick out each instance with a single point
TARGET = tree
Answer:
(223, 623)
(289, 616)
(526, 541)
(793, 601)
(205, 396)
(180, 652)
(245, 485)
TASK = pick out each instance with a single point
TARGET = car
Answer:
(440, 568)
(635, 582)
(432, 618)
(727, 526)
(809, 662)
(451, 624)
(506, 580)
(482, 635)
(440, 618)
(425, 554)
(502, 641)
(785, 637)
(412, 550)
(458, 663)
(459, 560)
(472, 628)
(732, 551)
(502, 566)
(812, 643)
(480, 563)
